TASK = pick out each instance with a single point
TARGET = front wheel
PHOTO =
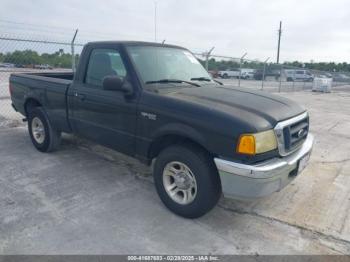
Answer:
(42, 134)
(187, 180)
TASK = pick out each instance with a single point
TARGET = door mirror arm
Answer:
(127, 88)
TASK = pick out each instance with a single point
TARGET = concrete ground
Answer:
(86, 199)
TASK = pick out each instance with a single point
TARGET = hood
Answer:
(257, 108)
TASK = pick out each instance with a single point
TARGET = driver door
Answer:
(105, 116)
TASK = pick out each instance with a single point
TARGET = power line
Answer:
(84, 34)
(30, 31)
(35, 25)
(38, 41)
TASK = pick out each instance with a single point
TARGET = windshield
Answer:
(160, 63)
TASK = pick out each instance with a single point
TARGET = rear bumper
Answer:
(242, 181)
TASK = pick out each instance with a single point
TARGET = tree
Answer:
(220, 65)
(25, 57)
(30, 57)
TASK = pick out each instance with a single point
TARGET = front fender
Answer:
(178, 129)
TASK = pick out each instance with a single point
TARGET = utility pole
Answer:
(279, 42)
(155, 21)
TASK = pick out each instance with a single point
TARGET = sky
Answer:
(312, 30)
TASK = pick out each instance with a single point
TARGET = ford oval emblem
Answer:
(301, 133)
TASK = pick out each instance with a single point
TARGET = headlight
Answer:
(251, 144)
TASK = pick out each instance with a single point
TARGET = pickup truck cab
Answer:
(156, 102)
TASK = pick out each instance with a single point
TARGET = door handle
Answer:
(80, 96)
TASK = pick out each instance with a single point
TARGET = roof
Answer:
(135, 43)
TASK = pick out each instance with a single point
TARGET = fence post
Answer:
(240, 69)
(293, 80)
(207, 55)
(72, 48)
(280, 83)
(263, 75)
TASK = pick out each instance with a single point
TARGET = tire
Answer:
(206, 179)
(42, 134)
(289, 79)
(225, 76)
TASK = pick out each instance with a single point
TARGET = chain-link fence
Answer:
(270, 77)
(25, 54)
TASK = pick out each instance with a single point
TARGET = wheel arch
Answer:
(174, 135)
(31, 103)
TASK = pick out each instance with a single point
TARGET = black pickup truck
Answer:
(157, 103)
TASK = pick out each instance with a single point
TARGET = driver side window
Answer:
(102, 63)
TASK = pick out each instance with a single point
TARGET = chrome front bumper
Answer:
(242, 181)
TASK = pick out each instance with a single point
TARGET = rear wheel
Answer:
(187, 180)
(43, 136)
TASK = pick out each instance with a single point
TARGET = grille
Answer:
(292, 133)
(295, 134)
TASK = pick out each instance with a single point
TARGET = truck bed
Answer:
(50, 89)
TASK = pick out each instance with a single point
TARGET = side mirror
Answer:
(115, 83)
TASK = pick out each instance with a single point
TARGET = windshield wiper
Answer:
(201, 79)
(206, 79)
(165, 81)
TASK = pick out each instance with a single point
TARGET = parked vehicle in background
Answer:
(340, 77)
(259, 74)
(201, 138)
(247, 73)
(298, 75)
(7, 65)
(229, 73)
(328, 75)
(323, 75)
(46, 66)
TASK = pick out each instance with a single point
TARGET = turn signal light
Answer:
(251, 144)
(246, 145)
